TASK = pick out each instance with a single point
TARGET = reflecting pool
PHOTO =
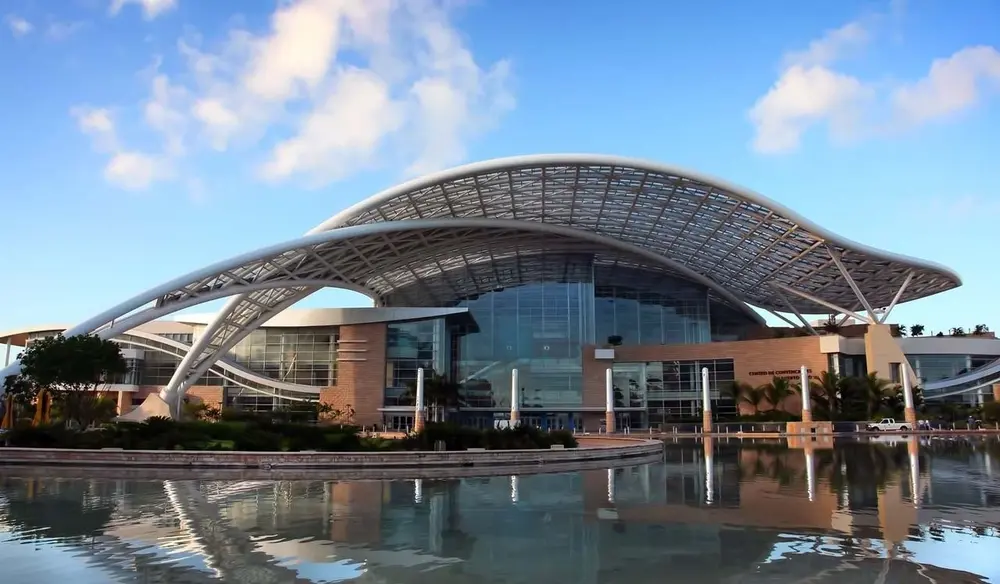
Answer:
(882, 511)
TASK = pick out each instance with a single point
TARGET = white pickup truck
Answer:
(887, 425)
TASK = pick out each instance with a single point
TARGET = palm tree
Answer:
(916, 330)
(776, 392)
(875, 390)
(958, 331)
(980, 329)
(901, 330)
(828, 389)
(439, 392)
(831, 327)
(744, 393)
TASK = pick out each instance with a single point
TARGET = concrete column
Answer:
(6, 359)
(909, 412)
(807, 415)
(706, 403)
(996, 392)
(418, 491)
(611, 485)
(515, 399)
(609, 398)
(418, 412)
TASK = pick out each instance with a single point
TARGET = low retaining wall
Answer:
(622, 448)
(126, 473)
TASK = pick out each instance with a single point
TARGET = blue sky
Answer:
(143, 139)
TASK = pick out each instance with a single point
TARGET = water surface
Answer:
(889, 511)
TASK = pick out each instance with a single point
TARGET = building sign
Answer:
(781, 373)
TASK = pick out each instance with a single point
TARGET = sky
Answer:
(143, 139)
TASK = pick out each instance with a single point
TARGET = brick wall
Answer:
(208, 394)
(753, 361)
(360, 372)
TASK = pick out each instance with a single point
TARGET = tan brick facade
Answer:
(210, 395)
(360, 373)
(754, 362)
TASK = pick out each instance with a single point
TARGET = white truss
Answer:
(736, 237)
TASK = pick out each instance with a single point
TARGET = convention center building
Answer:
(558, 266)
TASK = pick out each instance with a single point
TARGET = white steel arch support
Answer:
(873, 318)
(355, 257)
(899, 294)
(175, 392)
(791, 307)
(821, 302)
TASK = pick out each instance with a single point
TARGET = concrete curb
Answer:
(162, 459)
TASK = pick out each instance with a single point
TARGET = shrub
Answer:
(991, 411)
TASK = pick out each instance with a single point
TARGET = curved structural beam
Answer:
(382, 258)
(474, 243)
(224, 367)
(717, 229)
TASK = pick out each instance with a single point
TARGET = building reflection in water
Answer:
(708, 512)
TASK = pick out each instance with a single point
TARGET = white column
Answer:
(420, 391)
(804, 383)
(609, 391)
(6, 359)
(907, 390)
(706, 400)
(515, 397)
(418, 491)
(515, 488)
(611, 485)
(914, 457)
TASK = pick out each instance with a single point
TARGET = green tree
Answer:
(22, 389)
(991, 411)
(776, 391)
(901, 330)
(744, 393)
(74, 368)
(828, 391)
(916, 330)
(980, 329)
(875, 389)
(958, 331)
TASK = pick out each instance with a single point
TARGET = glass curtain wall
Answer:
(677, 315)
(540, 329)
(306, 356)
(673, 388)
(410, 346)
(938, 367)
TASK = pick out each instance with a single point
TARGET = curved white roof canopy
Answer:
(755, 248)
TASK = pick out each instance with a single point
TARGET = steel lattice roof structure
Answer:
(505, 222)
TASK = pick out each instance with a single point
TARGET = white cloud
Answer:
(329, 88)
(135, 171)
(811, 92)
(127, 169)
(150, 8)
(60, 31)
(17, 25)
(953, 84)
(832, 46)
(342, 133)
